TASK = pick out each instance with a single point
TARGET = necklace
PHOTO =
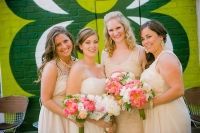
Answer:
(66, 65)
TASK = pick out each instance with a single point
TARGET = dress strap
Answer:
(139, 52)
(104, 56)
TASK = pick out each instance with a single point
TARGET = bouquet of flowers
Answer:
(129, 92)
(117, 81)
(105, 107)
(78, 107)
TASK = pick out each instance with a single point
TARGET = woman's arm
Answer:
(48, 83)
(169, 68)
(75, 79)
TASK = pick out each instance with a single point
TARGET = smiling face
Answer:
(63, 46)
(89, 46)
(151, 40)
(115, 30)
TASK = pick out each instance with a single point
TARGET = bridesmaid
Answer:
(53, 73)
(123, 54)
(168, 112)
(87, 76)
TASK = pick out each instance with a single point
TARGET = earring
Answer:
(146, 50)
(162, 43)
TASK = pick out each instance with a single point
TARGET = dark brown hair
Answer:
(159, 29)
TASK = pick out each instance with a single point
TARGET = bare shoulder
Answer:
(140, 48)
(77, 67)
(50, 66)
(100, 66)
(50, 71)
(142, 55)
(168, 60)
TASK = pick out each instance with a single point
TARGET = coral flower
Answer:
(137, 98)
(113, 87)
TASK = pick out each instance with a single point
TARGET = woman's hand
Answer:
(101, 123)
(147, 105)
(79, 124)
(111, 129)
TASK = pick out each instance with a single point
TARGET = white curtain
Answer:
(198, 23)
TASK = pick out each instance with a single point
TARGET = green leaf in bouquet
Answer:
(142, 114)
(81, 129)
(127, 107)
(80, 120)
(69, 96)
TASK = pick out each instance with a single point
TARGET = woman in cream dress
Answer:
(168, 113)
(88, 75)
(56, 63)
(123, 54)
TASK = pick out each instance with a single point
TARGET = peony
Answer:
(137, 98)
(88, 104)
(113, 87)
(71, 107)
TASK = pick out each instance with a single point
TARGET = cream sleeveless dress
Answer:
(172, 117)
(127, 122)
(50, 122)
(94, 86)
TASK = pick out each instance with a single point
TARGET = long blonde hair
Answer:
(129, 35)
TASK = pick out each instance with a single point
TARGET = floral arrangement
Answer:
(80, 107)
(129, 92)
(77, 108)
(105, 107)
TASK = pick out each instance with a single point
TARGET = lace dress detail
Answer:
(167, 118)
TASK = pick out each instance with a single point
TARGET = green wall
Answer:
(24, 25)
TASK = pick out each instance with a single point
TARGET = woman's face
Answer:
(90, 46)
(115, 30)
(151, 40)
(64, 46)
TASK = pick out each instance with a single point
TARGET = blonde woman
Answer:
(123, 54)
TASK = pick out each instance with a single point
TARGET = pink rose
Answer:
(71, 107)
(82, 114)
(88, 104)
